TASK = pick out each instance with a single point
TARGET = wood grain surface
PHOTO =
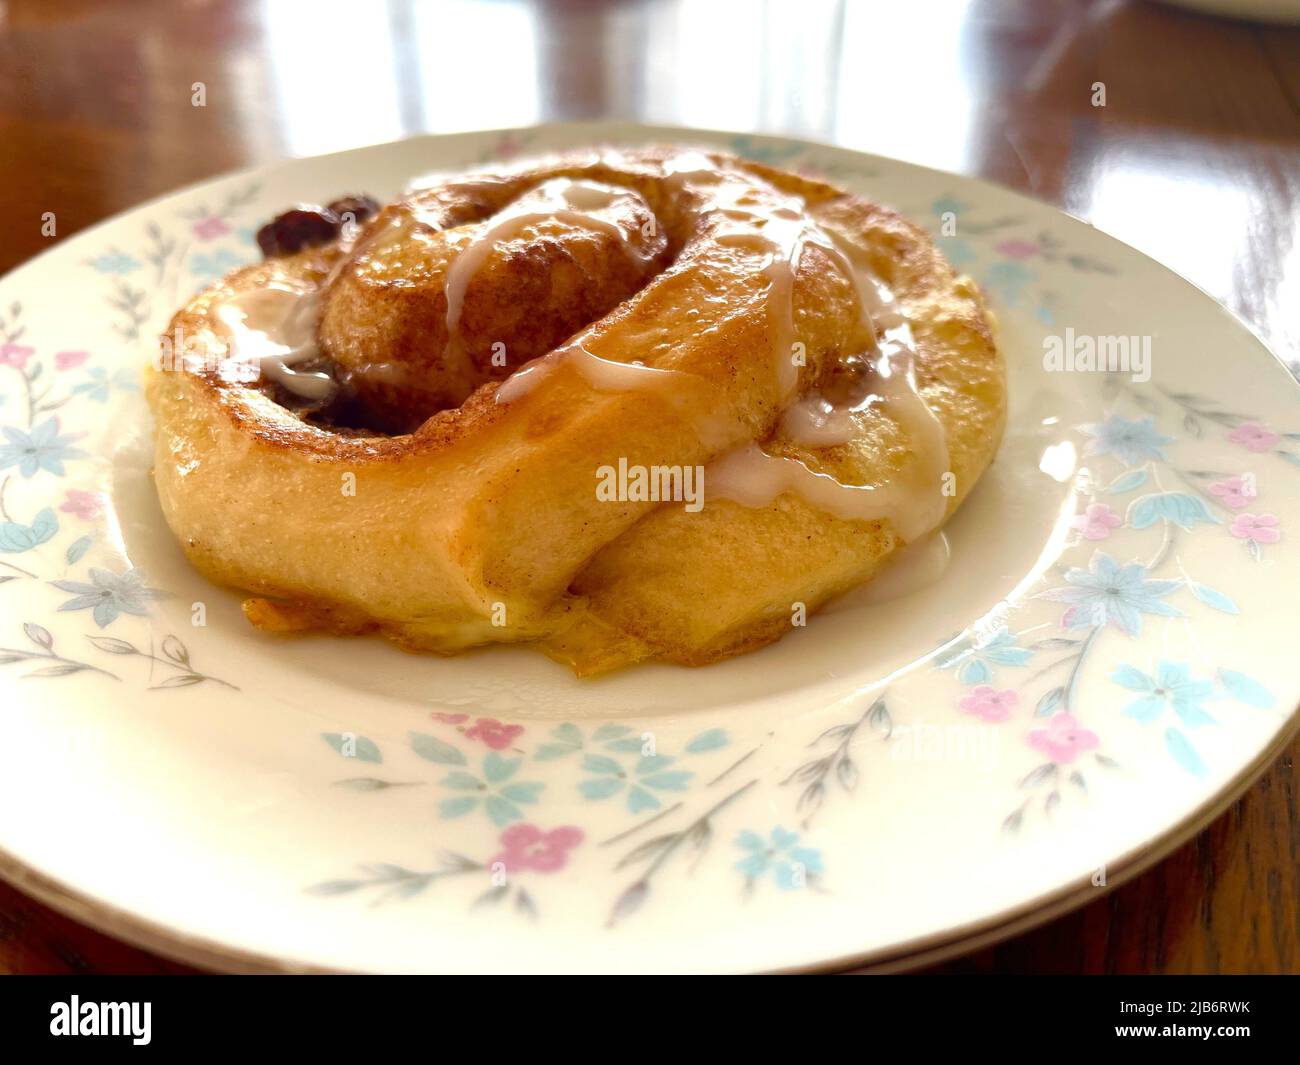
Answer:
(1194, 159)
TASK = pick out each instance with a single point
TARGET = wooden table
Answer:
(1195, 159)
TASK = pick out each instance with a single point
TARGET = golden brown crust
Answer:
(488, 508)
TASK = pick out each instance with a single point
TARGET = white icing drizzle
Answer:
(780, 234)
(314, 385)
(878, 307)
(692, 165)
(565, 199)
(605, 375)
(912, 502)
(777, 232)
(815, 421)
(525, 379)
(271, 329)
(753, 478)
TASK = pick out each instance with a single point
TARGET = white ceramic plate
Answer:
(1102, 665)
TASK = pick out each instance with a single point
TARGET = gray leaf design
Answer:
(629, 902)
(113, 646)
(334, 887)
(183, 681)
(176, 651)
(371, 784)
(38, 634)
(61, 670)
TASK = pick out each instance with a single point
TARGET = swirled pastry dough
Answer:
(465, 422)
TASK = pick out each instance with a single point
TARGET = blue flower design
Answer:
(1107, 593)
(1181, 508)
(15, 536)
(41, 449)
(208, 266)
(1246, 689)
(115, 262)
(791, 866)
(500, 795)
(957, 251)
(1008, 279)
(947, 204)
(1132, 440)
(646, 776)
(100, 384)
(109, 594)
(979, 658)
(1171, 686)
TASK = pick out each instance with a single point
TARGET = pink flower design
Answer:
(1096, 521)
(528, 847)
(989, 704)
(1253, 436)
(496, 735)
(15, 355)
(1063, 740)
(449, 719)
(67, 360)
(1018, 249)
(83, 504)
(1260, 528)
(207, 228)
(1234, 492)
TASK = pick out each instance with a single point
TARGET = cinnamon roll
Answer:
(620, 405)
